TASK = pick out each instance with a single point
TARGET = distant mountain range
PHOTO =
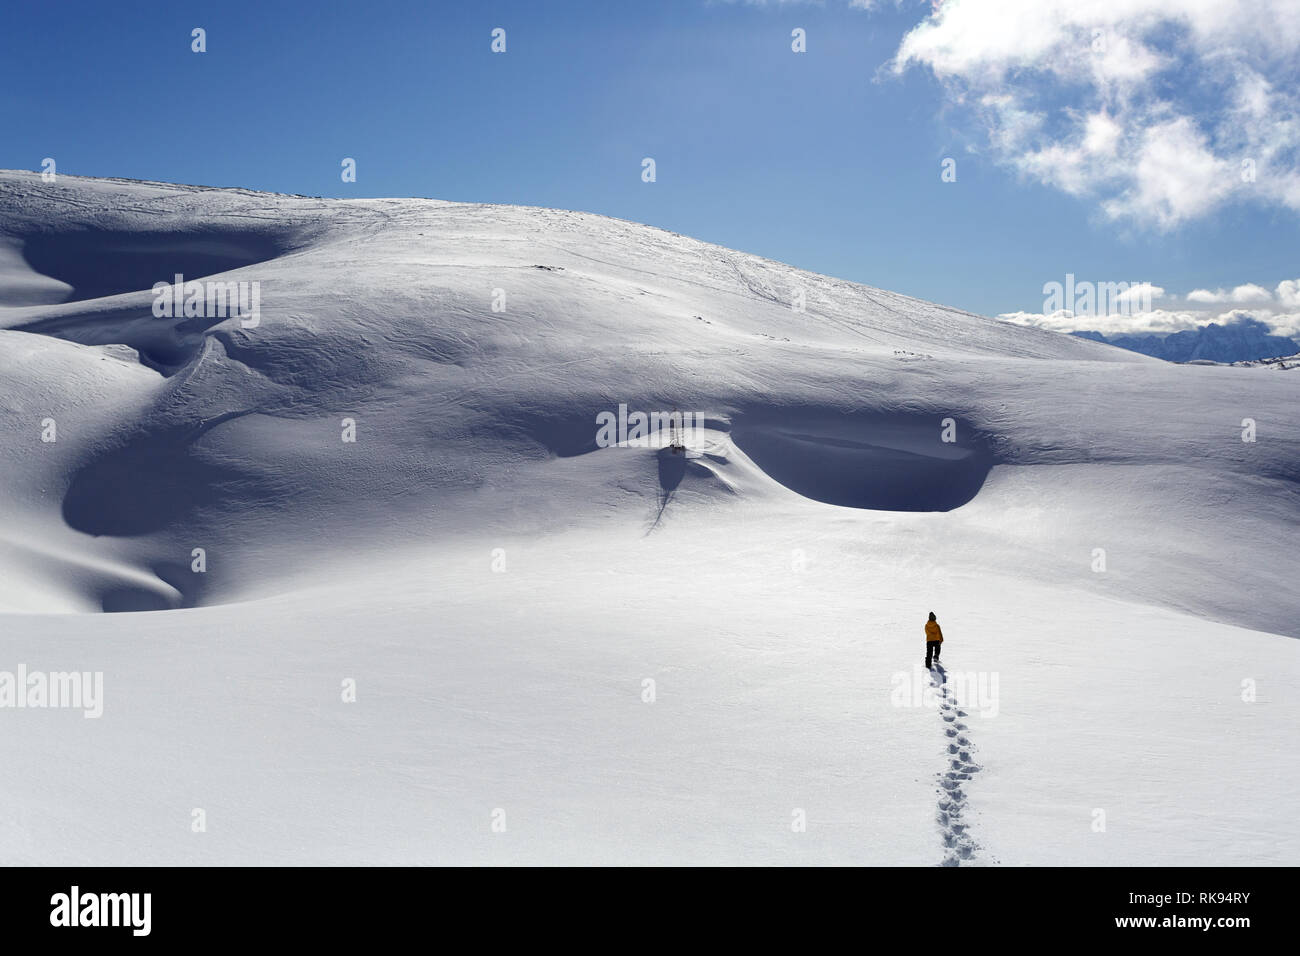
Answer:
(1240, 341)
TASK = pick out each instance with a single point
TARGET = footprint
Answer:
(952, 799)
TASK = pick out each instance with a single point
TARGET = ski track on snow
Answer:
(958, 844)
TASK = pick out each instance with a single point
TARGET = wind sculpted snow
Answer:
(392, 474)
(381, 311)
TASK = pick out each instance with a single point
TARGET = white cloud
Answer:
(1155, 322)
(1160, 111)
(1241, 295)
(1285, 323)
(1101, 134)
(1288, 293)
(1175, 176)
(1251, 293)
(1139, 292)
(1279, 310)
(1158, 321)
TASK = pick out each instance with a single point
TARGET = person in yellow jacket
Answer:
(933, 640)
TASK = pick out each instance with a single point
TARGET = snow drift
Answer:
(394, 472)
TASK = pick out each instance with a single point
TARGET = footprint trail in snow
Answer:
(959, 847)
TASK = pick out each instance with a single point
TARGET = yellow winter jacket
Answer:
(932, 633)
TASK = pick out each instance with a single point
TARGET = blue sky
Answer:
(829, 160)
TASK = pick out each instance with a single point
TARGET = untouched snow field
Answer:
(569, 653)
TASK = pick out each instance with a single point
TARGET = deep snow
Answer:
(500, 588)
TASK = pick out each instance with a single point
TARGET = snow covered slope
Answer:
(502, 588)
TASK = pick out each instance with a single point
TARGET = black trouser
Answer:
(932, 650)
